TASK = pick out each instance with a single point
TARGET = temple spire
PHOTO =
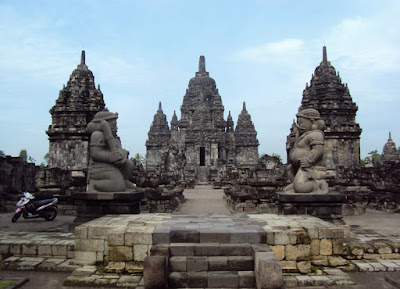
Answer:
(390, 136)
(324, 54)
(159, 107)
(202, 64)
(244, 106)
(83, 57)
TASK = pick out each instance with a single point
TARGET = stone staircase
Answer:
(212, 265)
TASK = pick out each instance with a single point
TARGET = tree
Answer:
(140, 159)
(23, 154)
(277, 156)
(2, 154)
(376, 157)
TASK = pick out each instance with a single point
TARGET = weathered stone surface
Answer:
(268, 273)
(325, 247)
(297, 252)
(120, 253)
(155, 272)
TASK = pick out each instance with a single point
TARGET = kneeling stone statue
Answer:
(109, 166)
(307, 170)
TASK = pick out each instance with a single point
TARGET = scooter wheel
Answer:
(15, 217)
(50, 214)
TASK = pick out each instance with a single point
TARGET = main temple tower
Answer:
(202, 141)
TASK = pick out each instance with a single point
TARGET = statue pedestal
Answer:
(324, 206)
(94, 205)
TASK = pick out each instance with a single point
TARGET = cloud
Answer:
(282, 51)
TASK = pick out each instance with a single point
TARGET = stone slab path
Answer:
(204, 199)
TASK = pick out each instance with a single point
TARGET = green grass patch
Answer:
(6, 283)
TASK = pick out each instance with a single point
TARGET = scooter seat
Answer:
(42, 202)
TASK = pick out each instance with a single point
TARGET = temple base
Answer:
(327, 207)
(95, 205)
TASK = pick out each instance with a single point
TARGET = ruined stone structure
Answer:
(327, 94)
(202, 143)
(75, 107)
(16, 176)
(390, 152)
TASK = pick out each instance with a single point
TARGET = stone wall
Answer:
(16, 176)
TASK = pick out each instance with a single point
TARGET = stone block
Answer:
(281, 238)
(218, 263)
(236, 250)
(297, 252)
(243, 236)
(116, 237)
(304, 267)
(15, 249)
(198, 279)
(88, 257)
(207, 249)
(196, 263)
(182, 249)
(184, 236)
(246, 279)
(140, 252)
(135, 237)
(120, 253)
(319, 260)
(29, 249)
(115, 267)
(160, 250)
(304, 281)
(268, 274)
(98, 232)
(241, 263)
(223, 280)
(215, 236)
(89, 245)
(177, 263)
(279, 251)
(335, 261)
(155, 272)
(325, 247)
(81, 232)
(4, 248)
(179, 280)
(337, 246)
(161, 236)
(315, 243)
(330, 233)
(134, 267)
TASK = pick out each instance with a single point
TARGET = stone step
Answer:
(210, 263)
(210, 249)
(214, 279)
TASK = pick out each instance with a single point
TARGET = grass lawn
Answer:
(6, 283)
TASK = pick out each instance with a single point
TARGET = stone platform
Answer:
(295, 240)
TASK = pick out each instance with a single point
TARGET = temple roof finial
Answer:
(244, 106)
(83, 57)
(324, 54)
(202, 64)
(159, 107)
(390, 136)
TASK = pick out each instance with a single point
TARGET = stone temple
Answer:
(75, 107)
(202, 143)
(327, 94)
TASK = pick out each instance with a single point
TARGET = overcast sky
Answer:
(144, 52)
